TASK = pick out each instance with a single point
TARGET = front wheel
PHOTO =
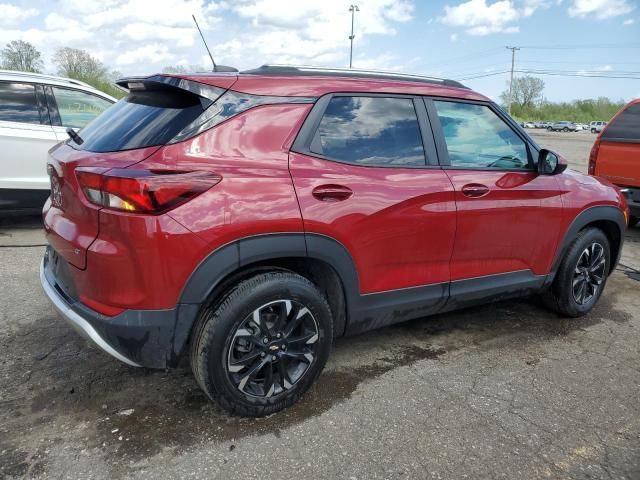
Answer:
(263, 345)
(549, 129)
(565, 129)
(582, 275)
(593, 130)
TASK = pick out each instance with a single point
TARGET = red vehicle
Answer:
(615, 155)
(247, 219)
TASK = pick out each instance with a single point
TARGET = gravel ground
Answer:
(508, 390)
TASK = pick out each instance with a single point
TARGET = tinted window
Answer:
(18, 103)
(370, 131)
(626, 126)
(78, 108)
(141, 119)
(477, 138)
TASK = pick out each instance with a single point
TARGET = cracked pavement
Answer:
(506, 390)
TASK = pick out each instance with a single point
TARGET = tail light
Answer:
(593, 157)
(142, 191)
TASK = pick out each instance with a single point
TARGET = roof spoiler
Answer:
(161, 82)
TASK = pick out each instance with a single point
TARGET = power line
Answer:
(572, 47)
(565, 73)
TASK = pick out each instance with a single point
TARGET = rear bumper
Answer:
(140, 338)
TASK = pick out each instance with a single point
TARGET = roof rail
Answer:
(304, 70)
(43, 76)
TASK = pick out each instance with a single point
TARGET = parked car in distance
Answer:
(247, 219)
(596, 127)
(615, 155)
(35, 111)
(529, 125)
(562, 127)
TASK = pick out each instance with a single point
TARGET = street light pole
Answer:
(513, 61)
(353, 9)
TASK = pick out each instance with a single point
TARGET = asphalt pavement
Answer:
(506, 390)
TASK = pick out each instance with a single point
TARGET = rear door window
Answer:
(18, 103)
(626, 126)
(78, 108)
(477, 137)
(142, 119)
(375, 131)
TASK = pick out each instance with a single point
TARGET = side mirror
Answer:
(549, 163)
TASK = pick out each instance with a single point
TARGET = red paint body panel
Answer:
(143, 261)
(72, 228)
(398, 225)
(619, 162)
(401, 226)
(516, 226)
(309, 86)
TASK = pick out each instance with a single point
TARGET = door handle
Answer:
(332, 193)
(475, 190)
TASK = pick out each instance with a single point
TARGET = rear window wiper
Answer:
(74, 136)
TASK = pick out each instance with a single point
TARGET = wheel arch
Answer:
(607, 218)
(321, 259)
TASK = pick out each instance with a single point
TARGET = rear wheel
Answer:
(565, 129)
(549, 129)
(260, 348)
(582, 274)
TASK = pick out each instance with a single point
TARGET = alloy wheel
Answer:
(272, 348)
(589, 273)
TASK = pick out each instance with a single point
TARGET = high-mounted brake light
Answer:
(142, 191)
(135, 85)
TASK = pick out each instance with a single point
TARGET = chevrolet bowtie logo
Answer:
(274, 348)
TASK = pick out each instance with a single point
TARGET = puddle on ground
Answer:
(75, 388)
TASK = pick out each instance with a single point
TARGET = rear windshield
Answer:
(626, 126)
(141, 119)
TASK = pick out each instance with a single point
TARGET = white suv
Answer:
(596, 127)
(35, 111)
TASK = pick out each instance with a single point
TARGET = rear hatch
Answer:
(71, 222)
(618, 148)
(158, 110)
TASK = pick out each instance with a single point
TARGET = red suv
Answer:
(616, 155)
(247, 219)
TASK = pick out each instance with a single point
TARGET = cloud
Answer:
(149, 53)
(599, 9)
(478, 17)
(141, 37)
(629, 21)
(11, 15)
(308, 32)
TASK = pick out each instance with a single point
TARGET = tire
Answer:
(565, 129)
(227, 334)
(562, 296)
(549, 129)
(593, 130)
(633, 221)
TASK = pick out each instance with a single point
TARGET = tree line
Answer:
(69, 62)
(528, 104)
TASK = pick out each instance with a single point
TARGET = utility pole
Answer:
(353, 9)
(513, 61)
